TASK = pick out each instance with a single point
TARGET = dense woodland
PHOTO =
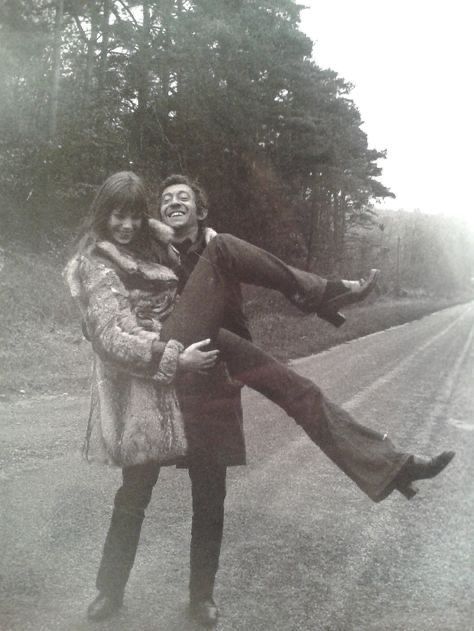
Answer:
(226, 90)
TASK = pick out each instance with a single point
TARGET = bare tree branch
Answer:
(80, 28)
(127, 9)
(117, 14)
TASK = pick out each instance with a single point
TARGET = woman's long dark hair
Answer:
(121, 191)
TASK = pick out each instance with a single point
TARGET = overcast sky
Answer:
(411, 62)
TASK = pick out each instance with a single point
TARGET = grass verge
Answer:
(287, 334)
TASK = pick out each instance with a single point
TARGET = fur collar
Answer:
(162, 232)
(130, 265)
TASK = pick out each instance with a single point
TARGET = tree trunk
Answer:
(342, 238)
(143, 79)
(323, 234)
(101, 82)
(90, 58)
(56, 70)
(164, 77)
(104, 50)
(313, 233)
(339, 226)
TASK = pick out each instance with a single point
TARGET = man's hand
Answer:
(193, 359)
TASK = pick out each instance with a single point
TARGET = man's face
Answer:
(178, 207)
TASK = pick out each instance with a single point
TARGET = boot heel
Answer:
(330, 315)
(407, 490)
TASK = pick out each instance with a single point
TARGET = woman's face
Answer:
(123, 225)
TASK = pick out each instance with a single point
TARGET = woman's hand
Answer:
(193, 359)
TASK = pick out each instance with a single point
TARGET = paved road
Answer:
(304, 549)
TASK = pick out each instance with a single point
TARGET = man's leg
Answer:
(208, 482)
(122, 538)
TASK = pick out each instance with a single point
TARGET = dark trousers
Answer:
(208, 483)
(369, 458)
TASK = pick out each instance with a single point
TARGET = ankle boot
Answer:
(420, 468)
(337, 295)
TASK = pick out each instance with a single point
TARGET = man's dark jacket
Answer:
(211, 403)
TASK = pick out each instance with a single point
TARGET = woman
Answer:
(122, 278)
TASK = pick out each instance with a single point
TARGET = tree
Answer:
(225, 90)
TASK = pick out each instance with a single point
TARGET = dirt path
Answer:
(304, 550)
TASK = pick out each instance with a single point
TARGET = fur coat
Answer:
(134, 416)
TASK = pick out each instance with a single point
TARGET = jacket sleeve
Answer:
(114, 331)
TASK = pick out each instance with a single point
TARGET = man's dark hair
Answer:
(179, 178)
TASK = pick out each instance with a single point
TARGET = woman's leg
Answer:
(365, 456)
(124, 532)
(368, 457)
(224, 264)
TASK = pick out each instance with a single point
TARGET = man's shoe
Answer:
(103, 607)
(204, 612)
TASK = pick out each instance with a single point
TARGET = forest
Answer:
(228, 91)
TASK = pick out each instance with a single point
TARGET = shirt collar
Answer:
(189, 246)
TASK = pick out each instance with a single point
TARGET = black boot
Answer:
(338, 294)
(420, 468)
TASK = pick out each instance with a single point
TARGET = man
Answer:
(211, 404)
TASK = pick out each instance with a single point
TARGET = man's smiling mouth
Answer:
(176, 213)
